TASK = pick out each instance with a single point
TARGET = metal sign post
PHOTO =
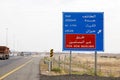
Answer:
(59, 61)
(49, 66)
(95, 71)
(70, 62)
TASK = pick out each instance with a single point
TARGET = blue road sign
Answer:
(83, 23)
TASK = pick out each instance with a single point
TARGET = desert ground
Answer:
(82, 66)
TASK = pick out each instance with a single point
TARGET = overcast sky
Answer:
(36, 25)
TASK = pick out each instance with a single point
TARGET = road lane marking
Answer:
(14, 70)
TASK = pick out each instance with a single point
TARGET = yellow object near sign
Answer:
(51, 52)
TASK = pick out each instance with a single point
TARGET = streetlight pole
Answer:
(6, 36)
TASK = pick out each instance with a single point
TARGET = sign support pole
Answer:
(95, 71)
(59, 61)
(70, 63)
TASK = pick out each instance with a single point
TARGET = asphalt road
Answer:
(20, 68)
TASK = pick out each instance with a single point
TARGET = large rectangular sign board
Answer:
(83, 31)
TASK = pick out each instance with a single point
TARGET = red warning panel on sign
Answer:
(80, 41)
